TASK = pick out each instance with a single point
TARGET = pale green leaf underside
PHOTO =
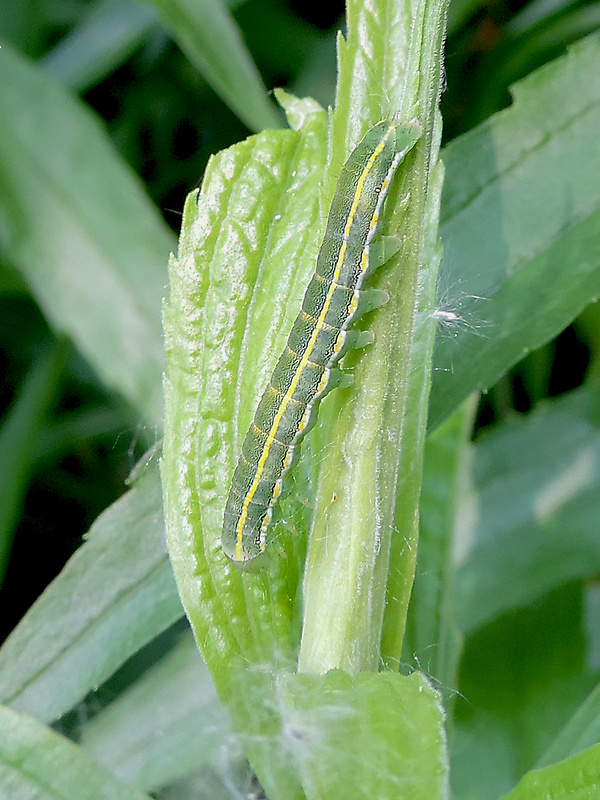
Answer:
(535, 510)
(77, 224)
(38, 764)
(115, 594)
(166, 726)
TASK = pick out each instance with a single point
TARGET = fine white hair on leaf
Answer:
(460, 315)
(458, 307)
(448, 318)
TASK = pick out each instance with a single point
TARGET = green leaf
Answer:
(517, 55)
(38, 764)
(520, 679)
(175, 697)
(248, 245)
(19, 433)
(521, 226)
(381, 734)
(106, 37)
(210, 38)
(114, 595)
(78, 226)
(581, 731)
(536, 479)
(577, 778)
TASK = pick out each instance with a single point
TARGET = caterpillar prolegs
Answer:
(306, 369)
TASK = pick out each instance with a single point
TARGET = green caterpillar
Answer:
(319, 337)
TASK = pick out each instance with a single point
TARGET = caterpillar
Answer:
(306, 371)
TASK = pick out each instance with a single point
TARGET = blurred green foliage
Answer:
(70, 432)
